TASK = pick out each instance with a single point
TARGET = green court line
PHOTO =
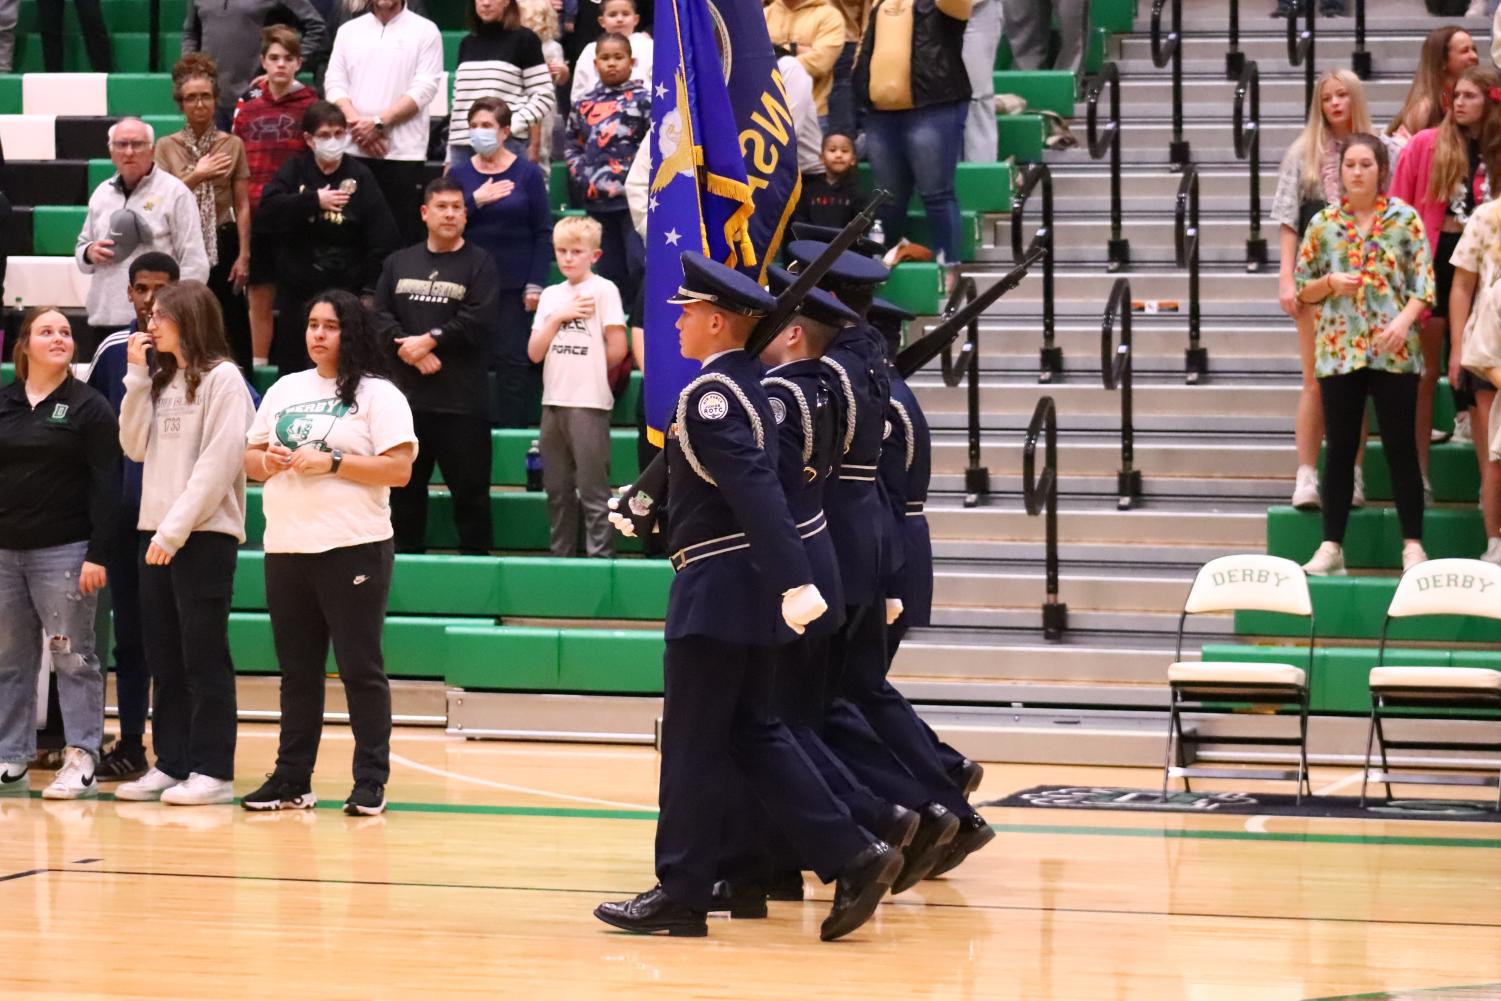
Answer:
(1170, 834)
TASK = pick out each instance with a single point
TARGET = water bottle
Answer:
(878, 233)
(534, 467)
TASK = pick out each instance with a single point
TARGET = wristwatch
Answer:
(380, 126)
(338, 460)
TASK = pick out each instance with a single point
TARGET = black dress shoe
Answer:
(974, 834)
(653, 911)
(967, 776)
(743, 899)
(898, 826)
(928, 848)
(785, 886)
(860, 886)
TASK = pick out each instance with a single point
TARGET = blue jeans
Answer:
(920, 148)
(844, 109)
(39, 591)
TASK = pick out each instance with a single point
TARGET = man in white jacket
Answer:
(165, 219)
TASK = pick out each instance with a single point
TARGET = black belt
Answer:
(858, 473)
(706, 549)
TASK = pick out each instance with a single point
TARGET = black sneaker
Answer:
(121, 763)
(367, 799)
(1333, 8)
(1285, 8)
(280, 793)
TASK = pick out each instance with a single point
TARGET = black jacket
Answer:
(938, 74)
(317, 250)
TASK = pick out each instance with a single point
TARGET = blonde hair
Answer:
(1451, 151)
(539, 17)
(19, 356)
(578, 229)
(1317, 133)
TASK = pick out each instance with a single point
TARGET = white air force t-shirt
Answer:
(575, 372)
(320, 512)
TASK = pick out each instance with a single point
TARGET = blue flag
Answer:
(724, 177)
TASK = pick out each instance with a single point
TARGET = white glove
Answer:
(622, 523)
(893, 610)
(802, 605)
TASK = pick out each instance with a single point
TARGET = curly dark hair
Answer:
(360, 353)
(194, 64)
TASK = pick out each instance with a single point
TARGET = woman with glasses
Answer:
(212, 164)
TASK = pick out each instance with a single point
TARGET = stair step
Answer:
(1123, 592)
(1200, 525)
(1149, 399)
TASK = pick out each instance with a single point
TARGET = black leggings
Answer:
(1396, 399)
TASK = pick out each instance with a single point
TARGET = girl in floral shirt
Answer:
(1366, 260)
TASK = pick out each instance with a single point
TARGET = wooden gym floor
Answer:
(480, 881)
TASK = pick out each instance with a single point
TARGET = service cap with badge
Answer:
(720, 286)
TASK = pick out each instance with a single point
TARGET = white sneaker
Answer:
(1306, 489)
(1427, 492)
(147, 788)
(1357, 496)
(1462, 430)
(75, 779)
(1476, 9)
(1412, 555)
(13, 780)
(200, 790)
(1493, 552)
(1328, 561)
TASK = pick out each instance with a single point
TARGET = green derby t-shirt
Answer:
(316, 513)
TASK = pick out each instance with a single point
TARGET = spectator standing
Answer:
(1366, 260)
(499, 58)
(799, 87)
(833, 197)
(508, 215)
(1442, 175)
(539, 16)
(385, 70)
(330, 443)
(616, 17)
(1475, 323)
(844, 110)
(608, 126)
(434, 309)
(185, 419)
(982, 37)
(213, 166)
(1447, 52)
(915, 127)
(268, 120)
(1029, 29)
(326, 215)
(813, 32)
(59, 490)
(126, 759)
(10, 16)
(230, 31)
(141, 208)
(579, 339)
(90, 25)
(1306, 183)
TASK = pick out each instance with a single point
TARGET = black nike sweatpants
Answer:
(339, 596)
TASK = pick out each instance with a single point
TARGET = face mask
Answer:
(331, 148)
(484, 141)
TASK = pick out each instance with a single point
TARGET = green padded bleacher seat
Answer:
(100, 170)
(1451, 468)
(413, 646)
(119, 16)
(141, 94)
(55, 229)
(164, 124)
(508, 448)
(10, 94)
(1044, 90)
(1373, 538)
(1020, 136)
(983, 187)
(917, 287)
(970, 238)
(1354, 607)
(512, 658)
(131, 49)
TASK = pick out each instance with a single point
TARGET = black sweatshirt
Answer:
(317, 250)
(830, 203)
(454, 292)
(59, 469)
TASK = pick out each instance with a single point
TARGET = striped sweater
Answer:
(504, 63)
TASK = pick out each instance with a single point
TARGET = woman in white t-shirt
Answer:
(330, 443)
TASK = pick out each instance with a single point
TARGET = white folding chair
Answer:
(1437, 587)
(1250, 582)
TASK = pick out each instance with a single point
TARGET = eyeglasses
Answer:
(197, 98)
(129, 145)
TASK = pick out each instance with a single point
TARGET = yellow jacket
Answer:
(814, 31)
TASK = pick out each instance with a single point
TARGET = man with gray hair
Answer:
(139, 209)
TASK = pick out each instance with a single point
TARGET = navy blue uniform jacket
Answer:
(906, 466)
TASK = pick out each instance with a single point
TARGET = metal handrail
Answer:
(1172, 51)
(1040, 495)
(1051, 356)
(1248, 147)
(976, 476)
(1115, 372)
(1360, 59)
(1300, 47)
(1105, 141)
(1235, 60)
(1186, 247)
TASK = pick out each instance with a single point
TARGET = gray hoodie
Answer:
(230, 31)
